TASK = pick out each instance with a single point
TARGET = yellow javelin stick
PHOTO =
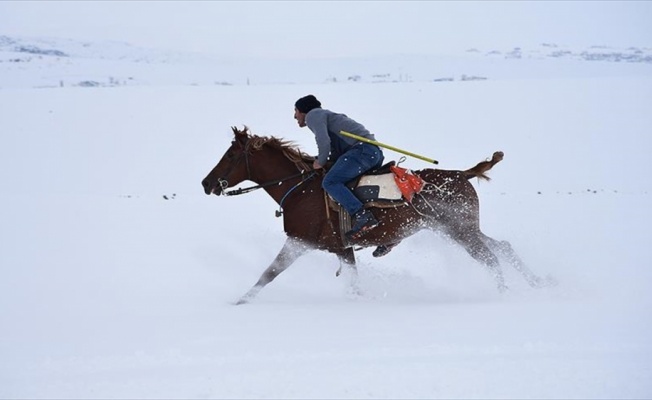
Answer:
(362, 139)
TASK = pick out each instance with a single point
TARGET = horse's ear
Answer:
(240, 136)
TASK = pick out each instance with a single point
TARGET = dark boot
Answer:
(364, 222)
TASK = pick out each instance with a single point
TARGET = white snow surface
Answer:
(108, 290)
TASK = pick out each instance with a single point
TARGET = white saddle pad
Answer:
(386, 184)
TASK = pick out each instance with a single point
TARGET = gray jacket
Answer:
(326, 125)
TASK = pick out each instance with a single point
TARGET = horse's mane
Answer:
(289, 149)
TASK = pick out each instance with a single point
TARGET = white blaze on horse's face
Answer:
(300, 117)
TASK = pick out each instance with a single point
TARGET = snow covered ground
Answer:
(108, 290)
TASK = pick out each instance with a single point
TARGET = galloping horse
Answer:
(447, 204)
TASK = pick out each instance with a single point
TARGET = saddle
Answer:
(388, 186)
(378, 188)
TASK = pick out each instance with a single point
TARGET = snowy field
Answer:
(109, 290)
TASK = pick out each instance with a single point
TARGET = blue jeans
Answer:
(359, 159)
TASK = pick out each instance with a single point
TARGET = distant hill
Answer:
(104, 50)
(53, 62)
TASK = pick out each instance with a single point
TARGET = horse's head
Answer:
(232, 168)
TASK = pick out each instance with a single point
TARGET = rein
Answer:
(238, 191)
(278, 212)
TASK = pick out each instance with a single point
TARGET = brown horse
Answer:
(447, 204)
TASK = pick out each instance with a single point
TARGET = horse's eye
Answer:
(229, 155)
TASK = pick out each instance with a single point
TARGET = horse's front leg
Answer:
(347, 259)
(291, 250)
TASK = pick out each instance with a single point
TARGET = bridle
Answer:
(223, 183)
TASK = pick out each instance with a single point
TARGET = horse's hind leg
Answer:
(474, 245)
(504, 248)
(291, 250)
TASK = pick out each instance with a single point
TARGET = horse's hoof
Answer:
(241, 302)
(354, 293)
(550, 281)
(382, 250)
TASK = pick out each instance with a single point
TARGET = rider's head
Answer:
(307, 103)
(303, 106)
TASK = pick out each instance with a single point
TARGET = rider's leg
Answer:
(358, 160)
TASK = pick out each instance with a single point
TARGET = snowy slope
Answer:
(109, 290)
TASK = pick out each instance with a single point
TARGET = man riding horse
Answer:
(448, 203)
(350, 157)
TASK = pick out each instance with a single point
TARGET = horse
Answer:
(448, 204)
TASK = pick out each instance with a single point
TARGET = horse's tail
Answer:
(479, 170)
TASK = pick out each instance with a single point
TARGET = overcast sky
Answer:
(334, 28)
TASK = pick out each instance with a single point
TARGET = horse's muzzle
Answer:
(212, 188)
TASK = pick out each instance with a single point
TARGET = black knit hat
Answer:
(307, 103)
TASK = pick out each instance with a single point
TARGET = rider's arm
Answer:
(317, 122)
